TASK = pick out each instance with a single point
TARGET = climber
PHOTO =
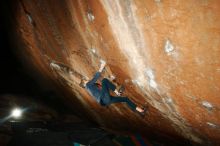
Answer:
(102, 93)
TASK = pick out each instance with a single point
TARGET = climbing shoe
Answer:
(142, 114)
(121, 89)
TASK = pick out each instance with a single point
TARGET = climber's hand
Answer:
(117, 93)
(103, 63)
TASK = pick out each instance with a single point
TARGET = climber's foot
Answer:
(121, 89)
(141, 111)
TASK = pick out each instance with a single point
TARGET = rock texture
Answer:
(166, 53)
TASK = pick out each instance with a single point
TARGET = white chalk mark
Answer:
(168, 47)
(211, 124)
(54, 65)
(150, 74)
(126, 30)
(93, 50)
(127, 81)
(190, 96)
(207, 105)
(153, 84)
(151, 78)
(91, 17)
(168, 100)
(136, 82)
(30, 18)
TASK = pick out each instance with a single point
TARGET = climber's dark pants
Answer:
(107, 99)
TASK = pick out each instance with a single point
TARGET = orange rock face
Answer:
(166, 53)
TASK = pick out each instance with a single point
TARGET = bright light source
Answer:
(16, 113)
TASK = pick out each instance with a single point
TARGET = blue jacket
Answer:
(92, 88)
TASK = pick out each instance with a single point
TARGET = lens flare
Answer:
(16, 113)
